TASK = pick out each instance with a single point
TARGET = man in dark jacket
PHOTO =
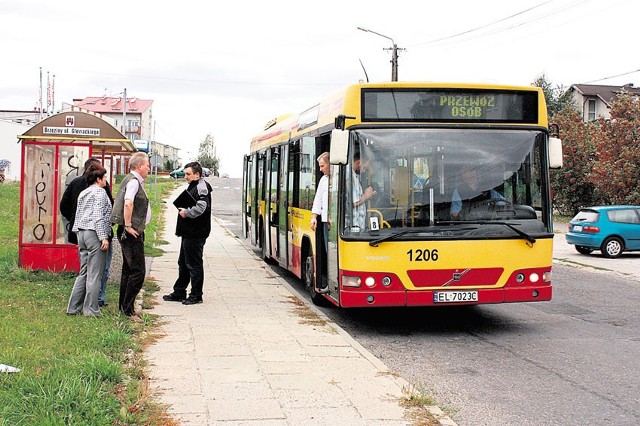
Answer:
(194, 226)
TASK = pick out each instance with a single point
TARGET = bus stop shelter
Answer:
(53, 154)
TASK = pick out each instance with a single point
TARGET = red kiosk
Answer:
(53, 154)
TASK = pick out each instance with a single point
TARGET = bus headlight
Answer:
(534, 277)
(349, 281)
(370, 282)
(546, 277)
(386, 281)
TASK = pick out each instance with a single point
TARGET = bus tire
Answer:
(308, 279)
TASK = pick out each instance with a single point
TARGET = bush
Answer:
(572, 187)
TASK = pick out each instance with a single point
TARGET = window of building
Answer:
(592, 110)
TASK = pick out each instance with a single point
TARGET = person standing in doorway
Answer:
(194, 227)
(132, 213)
(320, 210)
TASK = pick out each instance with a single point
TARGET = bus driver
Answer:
(468, 194)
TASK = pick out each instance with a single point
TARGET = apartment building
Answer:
(138, 116)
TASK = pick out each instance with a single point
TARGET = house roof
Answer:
(606, 93)
(107, 105)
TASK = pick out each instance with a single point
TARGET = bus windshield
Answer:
(444, 183)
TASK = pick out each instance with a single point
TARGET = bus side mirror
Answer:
(555, 153)
(339, 146)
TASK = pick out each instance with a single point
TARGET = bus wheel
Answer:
(308, 276)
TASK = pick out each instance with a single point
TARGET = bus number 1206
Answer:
(419, 255)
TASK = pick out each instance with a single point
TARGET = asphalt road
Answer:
(571, 361)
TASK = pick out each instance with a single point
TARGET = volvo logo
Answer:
(457, 276)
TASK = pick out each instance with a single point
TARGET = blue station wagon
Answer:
(610, 229)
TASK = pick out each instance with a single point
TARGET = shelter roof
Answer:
(79, 127)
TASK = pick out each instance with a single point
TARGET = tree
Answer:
(601, 158)
(572, 185)
(169, 165)
(616, 174)
(558, 98)
(207, 155)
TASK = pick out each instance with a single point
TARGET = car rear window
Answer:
(624, 216)
(586, 216)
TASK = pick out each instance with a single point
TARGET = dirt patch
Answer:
(306, 315)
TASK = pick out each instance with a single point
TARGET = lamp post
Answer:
(394, 56)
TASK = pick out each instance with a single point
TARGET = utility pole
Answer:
(394, 53)
(124, 114)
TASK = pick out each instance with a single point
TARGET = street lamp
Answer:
(394, 56)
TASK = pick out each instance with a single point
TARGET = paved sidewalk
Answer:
(565, 253)
(254, 353)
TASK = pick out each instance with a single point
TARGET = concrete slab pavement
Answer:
(254, 353)
(627, 265)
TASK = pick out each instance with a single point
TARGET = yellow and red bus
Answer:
(428, 236)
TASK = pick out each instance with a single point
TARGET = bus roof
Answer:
(347, 101)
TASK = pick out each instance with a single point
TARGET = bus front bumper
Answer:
(361, 299)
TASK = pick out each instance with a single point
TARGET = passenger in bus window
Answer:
(320, 210)
(469, 194)
(359, 212)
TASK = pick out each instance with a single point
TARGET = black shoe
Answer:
(172, 297)
(192, 300)
(323, 290)
(102, 304)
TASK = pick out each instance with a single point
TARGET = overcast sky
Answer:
(226, 68)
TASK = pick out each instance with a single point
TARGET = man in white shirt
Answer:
(359, 213)
(319, 210)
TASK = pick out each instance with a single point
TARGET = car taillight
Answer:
(591, 229)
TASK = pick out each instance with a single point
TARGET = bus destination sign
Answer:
(441, 105)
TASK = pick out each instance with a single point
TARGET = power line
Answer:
(613, 76)
(527, 21)
(482, 26)
(192, 80)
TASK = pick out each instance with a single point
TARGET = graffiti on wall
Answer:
(38, 194)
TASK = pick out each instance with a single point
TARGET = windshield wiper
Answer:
(374, 243)
(523, 234)
(388, 237)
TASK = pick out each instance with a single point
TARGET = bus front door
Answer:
(283, 207)
(273, 203)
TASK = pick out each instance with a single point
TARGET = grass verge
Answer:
(421, 407)
(74, 370)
